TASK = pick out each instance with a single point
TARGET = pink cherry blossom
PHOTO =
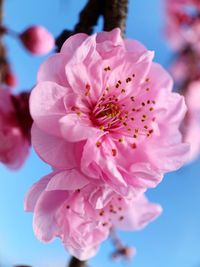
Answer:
(191, 130)
(37, 40)
(67, 205)
(183, 24)
(103, 105)
(14, 145)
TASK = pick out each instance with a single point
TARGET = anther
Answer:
(101, 213)
(134, 146)
(114, 152)
(128, 80)
(98, 144)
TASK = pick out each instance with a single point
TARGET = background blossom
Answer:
(191, 127)
(14, 144)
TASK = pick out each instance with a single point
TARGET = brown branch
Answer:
(76, 263)
(87, 20)
(4, 65)
(115, 14)
(1, 11)
(89, 16)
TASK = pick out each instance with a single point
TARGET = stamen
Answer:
(114, 152)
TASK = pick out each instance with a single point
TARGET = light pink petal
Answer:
(53, 69)
(83, 254)
(172, 107)
(192, 97)
(94, 156)
(191, 136)
(67, 180)
(35, 191)
(169, 157)
(47, 106)
(113, 36)
(134, 46)
(164, 82)
(144, 175)
(131, 65)
(85, 78)
(54, 150)
(73, 43)
(44, 219)
(100, 196)
(84, 72)
(76, 128)
(138, 214)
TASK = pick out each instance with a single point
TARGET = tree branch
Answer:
(87, 20)
(4, 65)
(76, 263)
(115, 14)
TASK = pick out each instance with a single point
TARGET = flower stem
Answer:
(4, 65)
(115, 14)
(74, 262)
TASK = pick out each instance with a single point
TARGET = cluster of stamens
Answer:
(119, 110)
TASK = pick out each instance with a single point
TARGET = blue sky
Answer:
(171, 241)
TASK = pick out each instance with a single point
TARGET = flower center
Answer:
(106, 114)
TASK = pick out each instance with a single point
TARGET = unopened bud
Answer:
(10, 79)
(37, 40)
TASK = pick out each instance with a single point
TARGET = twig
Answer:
(76, 263)
(4, 65)
(115, 14)
(87, 20)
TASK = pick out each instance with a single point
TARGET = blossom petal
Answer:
(75, 128)
(72, 44)
(82, 254)
(47, 106)
(35, 191)
(53, 69)
(67, 180)
(44, 219)
(54, 150)
(139, 214)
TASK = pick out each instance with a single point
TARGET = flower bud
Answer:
(10, 79)
(37, 40)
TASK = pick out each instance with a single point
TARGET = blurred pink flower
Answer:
(37, 40)
(102, 104)
(14, 145)
(67, 205)
(191, 126)
(183, 23)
